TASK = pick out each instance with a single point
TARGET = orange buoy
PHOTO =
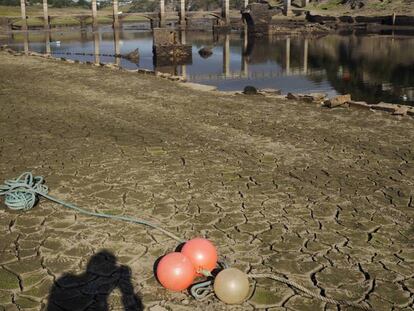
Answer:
(175, 271)
(202, 253)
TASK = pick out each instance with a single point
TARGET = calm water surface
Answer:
(372, 68)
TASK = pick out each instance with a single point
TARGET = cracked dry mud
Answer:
(323, 197)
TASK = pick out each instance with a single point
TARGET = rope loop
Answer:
(21, 193)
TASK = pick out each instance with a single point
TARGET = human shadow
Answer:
(91, 289)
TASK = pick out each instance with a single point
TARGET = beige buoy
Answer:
(231, 286)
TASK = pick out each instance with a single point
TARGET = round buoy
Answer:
(231, 286)
(175, 271)
(202, 253)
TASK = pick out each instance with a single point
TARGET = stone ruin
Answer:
(167, 48)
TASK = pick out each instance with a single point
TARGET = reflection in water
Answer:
(117, 46)
(97, 47)
(370, 68)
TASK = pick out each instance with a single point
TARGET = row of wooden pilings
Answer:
(225, 15)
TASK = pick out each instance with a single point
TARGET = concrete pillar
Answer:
(305, 56)
(94, 16)
(225, 11)
(115, 13)
(305, 3)
(46, 15)
(96, 45)
(287, 64)
(182, 13)
(287, 7)
(245, 4)
(117, 46)
(226, 55)
(23, 10)
(162, 13)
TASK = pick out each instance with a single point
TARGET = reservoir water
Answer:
(371, 68)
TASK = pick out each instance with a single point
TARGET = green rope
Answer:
(22, 194)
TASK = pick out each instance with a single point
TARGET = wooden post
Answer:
(115, 13)
(24, 18)
(225, 11)
(45, 15)
(287, 7)
(162, 13)
(94, 16)
(182, 12)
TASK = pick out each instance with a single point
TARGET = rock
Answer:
(250, 90)
(132, 56)
(384, 107)
(271, 91)
(410, 111)
(358, 105)
(205, 52)
(293, 96)
(400, 111)
(157, 308)
(338, 101)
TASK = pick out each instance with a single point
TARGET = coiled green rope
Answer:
(22, 194)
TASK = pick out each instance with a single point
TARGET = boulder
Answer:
(132, 56)
(338, 101)
(292, 96)
(250, 90)
(205, 52)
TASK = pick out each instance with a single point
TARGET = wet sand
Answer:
(323, 197)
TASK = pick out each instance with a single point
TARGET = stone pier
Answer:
(23, 12)
(115, 14)
(46, 16)
(305, 3)
(168, 48)
(225, 11)
(162, 14)
(287, 7)
(94, 16)
(182, 13)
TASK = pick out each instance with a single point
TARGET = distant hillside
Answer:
(363, 7)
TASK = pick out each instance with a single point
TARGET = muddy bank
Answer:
(321, 196)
